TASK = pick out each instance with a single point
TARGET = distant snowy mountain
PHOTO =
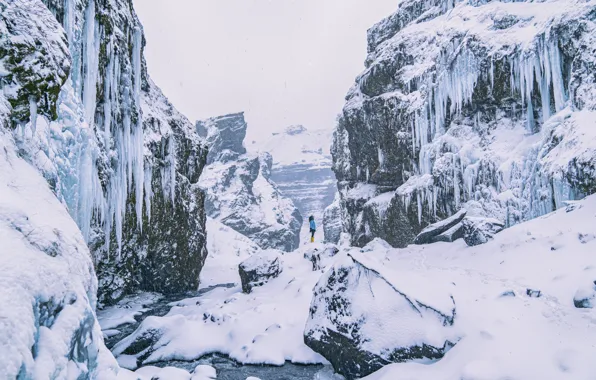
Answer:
(239, 190)
(302, 169)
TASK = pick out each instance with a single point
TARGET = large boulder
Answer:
(480, 230)
(448, 230)
(241, 195)
(259, 269)
(363, 317)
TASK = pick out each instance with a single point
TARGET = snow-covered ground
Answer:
(263, 327)
(514, 297)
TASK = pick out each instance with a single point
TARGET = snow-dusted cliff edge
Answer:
(121, 167)
(486, 106)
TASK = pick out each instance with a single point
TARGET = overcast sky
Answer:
(283, 62)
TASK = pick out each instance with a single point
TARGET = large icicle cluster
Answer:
(467, 105)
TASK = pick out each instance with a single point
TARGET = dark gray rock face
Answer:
(241, 194)
(424, 129)
(126, 162)
(259, 269)
(225, 136)
(478, 231)
(347, 332)
(447, 230)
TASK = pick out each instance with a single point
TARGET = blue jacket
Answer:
(313, 225)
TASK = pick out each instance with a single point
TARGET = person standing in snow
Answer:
(313, 228)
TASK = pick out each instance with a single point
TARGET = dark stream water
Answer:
(227, 369)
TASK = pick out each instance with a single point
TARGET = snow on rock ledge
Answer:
(358, 302)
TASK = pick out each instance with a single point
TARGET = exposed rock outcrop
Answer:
(240, 192)
(476, 105)
(447, 230)
(357, 301)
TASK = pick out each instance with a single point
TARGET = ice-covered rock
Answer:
(241, 194)
(259, 269)
(48, 327)
(480, 230)
(320, 253)
(585, 297)
(448, 230)
(364, 316)
(486, 106)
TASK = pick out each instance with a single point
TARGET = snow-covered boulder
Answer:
(319, 254)
(585, 297)
(482, 105)
(363, 317)
(480, 230)
(259, 269)
(241, 194)
(448, 230)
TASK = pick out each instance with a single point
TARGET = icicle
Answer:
(172, 159)
(33, 114)
(148, 191)
(91, 48)
(419, 206)
(108, 84)
(455, 183)
(138, 138)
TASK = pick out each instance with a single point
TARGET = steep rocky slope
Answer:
(486, 106)
(302, 169)
(239, 190)
(113, 149)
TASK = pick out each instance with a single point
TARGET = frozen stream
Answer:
(123, 319)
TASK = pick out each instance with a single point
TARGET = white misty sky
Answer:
(283, 62)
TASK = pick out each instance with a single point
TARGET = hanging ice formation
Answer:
(457, 74)
(116, 126)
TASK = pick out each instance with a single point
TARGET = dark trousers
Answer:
(312, 232)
